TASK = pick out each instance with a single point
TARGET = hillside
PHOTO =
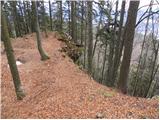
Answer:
(57, 88)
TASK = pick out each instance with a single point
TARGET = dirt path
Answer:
(57, 88)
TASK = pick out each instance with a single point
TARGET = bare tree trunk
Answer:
(73, 21)
(61, 16)
(98, 65)
(90, 36)
(85, 44)
(152, 84)
(152, 72)
(50, 15)
(69, 18)
(16, 18)
(128, 44)
(111, 53)
(98, 28)
(29, 18)
(11, 59)
(104, 63)
(25, 17)
(82, 23)
(44, 20)
(22, 22)
(118, 51)
(44, 56)
(139, 62)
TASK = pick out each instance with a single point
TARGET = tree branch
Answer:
(146, 17)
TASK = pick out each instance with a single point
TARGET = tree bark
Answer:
(152, 72)
(50, 15)
(61, 16)
(118, 51)
(44, 20)
(44, 56)
(140, 62)
(11, 59)
(82, 23)
(90, 36)
(73, 21)
(69, 18)
(128, 44)
(104, 63)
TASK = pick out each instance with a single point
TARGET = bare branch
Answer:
(157, 12)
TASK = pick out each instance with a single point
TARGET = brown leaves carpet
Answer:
(57, 88)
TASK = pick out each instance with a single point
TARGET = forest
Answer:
(80, 59)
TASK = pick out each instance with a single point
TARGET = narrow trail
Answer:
(57, 88)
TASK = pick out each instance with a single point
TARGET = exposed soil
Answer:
(57, 88)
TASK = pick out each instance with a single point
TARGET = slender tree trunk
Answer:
(97, 78)
(152, 72)
(50, 15)
(23, 23)
(44, 56)
(104, 63)
(73, 21)
(44, 20)
(16, 18)
(11, 59)
(25, 18)
(90, 36)
(33, 18)
(152, 84)
(119, 43)
(85, 44)
(82, 23)
(69, 18)
(139, 62)
(61, 16)
(111, 52)
(98, 28)
(110, 63)
(128, 38)
(9, 26)
(29, 18)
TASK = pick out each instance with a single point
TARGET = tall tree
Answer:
(44, 19)
(119, 44)
(128, 44)
(112, 46)
(82, 22)
(73, 20)
(90, 35)
(26, 17)
(61, 16)
(69, 18)
(15, 15)
(50, 15)
(98, 27)
(11, 59)
(44, 56)
(141, 61)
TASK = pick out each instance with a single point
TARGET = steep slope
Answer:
(57, 88)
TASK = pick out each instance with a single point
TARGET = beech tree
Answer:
(90, 37)
(73, 20)
(11, 59)
(44, 56)
(128, 44)
(50, 15)
(44, 20)
(118, 50)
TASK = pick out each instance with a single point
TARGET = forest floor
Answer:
(57, 88)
